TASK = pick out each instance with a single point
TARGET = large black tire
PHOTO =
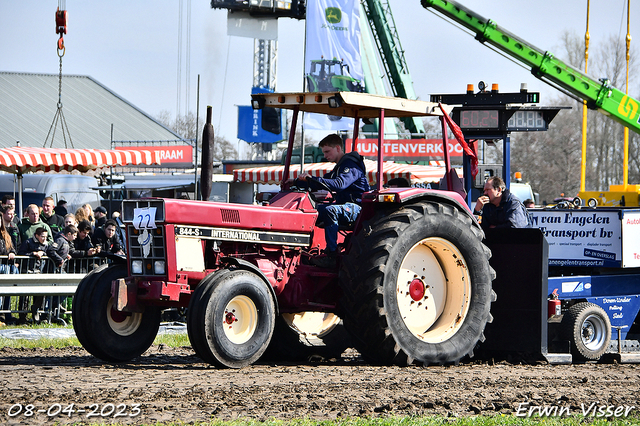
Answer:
(195, 313)
(417, 286)
(80, 311)
(232, 320)
(311, 86)
(587, 327)
(355, 86)
(305, 335)
(104, 332)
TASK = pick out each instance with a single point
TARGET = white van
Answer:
(523, 191)
(76, 190)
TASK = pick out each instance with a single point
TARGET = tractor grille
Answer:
(129, 207)
(149, 249)
(230, 216)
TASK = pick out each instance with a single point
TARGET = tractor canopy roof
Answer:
(349, 104)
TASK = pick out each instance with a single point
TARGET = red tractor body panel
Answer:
(288, 212)
(272, 238)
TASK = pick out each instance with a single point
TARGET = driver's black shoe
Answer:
(328, 261)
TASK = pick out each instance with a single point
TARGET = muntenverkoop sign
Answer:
(584, 237)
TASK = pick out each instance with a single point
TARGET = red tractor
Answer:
(413, 281)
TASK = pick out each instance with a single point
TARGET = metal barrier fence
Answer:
(32, 279)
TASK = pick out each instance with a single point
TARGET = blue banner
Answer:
(260, 125)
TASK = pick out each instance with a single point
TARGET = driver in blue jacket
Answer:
(348, 181)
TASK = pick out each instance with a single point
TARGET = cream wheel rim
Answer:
(433, 290)
(312, 323)
(123, 323)
(240, 319)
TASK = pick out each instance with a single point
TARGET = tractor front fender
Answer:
(248, 266)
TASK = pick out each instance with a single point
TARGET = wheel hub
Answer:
(417, 289)
(118, 316)
(593, 332)
(230, 317)
(588, 333)
(122, 323)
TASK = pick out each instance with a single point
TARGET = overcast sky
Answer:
(131, 47)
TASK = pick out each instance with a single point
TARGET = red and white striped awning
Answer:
(273, 174)
(25, 159)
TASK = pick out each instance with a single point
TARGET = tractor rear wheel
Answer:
(303, 335)
(103, 331)
(231, 319)
(587, 327)
(417, 286)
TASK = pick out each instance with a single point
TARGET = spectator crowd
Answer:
(48, 239)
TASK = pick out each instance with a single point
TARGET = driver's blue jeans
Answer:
(334, 215)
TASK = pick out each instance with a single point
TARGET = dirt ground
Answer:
(168, 384)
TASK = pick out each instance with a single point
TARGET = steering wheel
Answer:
(310, 191)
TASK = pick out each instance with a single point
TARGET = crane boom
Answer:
(599, 95)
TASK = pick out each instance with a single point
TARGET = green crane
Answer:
(598, 94)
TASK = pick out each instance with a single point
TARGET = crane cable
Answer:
(61, 29)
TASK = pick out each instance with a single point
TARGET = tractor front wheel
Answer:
(417, 286)
(231, 319)
(105, 332)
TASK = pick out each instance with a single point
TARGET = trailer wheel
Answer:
(103, 331)
(232, 320)
(587, 327)
(303, 335)
(417, 286)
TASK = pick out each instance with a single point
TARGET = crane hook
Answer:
(61, 28)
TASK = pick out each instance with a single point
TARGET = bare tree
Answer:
(551, 160)
(605, 136)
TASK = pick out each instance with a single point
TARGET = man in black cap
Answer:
(61, 208)
(100, 213)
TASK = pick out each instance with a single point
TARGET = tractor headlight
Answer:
(335, 101)
(258, 102)
(387, 198)
(136, 267)
(158, 267)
